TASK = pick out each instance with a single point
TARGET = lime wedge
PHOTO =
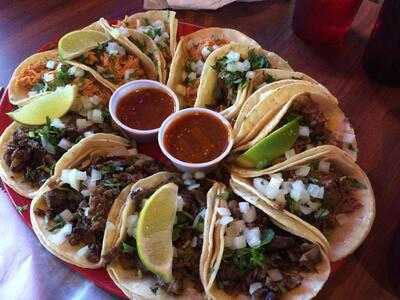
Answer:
(154, 231)
(271, 147)
(50, 105)
(77, 42)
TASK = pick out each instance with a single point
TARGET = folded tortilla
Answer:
(311, 282)
(194, 44)
(91, 148)
(207, 95)
(352, 226)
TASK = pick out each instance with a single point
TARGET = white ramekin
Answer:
(194, 167)
(138, 134)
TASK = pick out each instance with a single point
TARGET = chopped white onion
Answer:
(286, 187)
(83, 123)
(86, 211)
(239, 242)
(254, 287)
(193, 186)
(260, 184)
(275, 274)
(205, 52)
(179, 203)
(290, 153)
(199, 175)
(253, 236)
(83, 252)
(250, 75)
(244, 207)
(79, 72)
(73, 177)
(59, 237)
(131, 222)
(112, 48)
(298, 190)
(47, 145)
(223, 211)
(315, 191)
(272, 189)
(250, 215)
(88, 133)
(65, 144)
(324, 166)
(304, 131)
(95, 175)
(51, 64)
(48, 76)
(199, 67)
(302, 171)
(57, 123)
(66, 215)
(95, 115)
(225, 220)
(233, 56)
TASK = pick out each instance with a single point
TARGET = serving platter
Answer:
(98, 276)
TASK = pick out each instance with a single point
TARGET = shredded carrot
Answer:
(195, 50)
(31, 75)
(91, 87)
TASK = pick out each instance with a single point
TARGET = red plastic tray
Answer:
(98, 276)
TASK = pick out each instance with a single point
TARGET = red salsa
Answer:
(145, 108)
(196, 137)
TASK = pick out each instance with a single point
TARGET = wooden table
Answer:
(373, 109)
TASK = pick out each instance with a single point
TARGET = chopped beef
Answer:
(25, 153)
(60, 199)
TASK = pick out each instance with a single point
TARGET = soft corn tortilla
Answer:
(182, 53)
(344, 239)
(209, 77)
(93, 146)
(133, 286)
(273, 106)
(102, 26)
(311, 283)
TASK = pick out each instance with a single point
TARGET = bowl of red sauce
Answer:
(140, 107)
(195, 139)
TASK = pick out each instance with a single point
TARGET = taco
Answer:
(161, 26)
(29, 154)
(190, 227)
(113, 62)
(296, 123)
(191, 55)
(140, 42)
(44, 72)
(324, 188)
(76, 213)
(227, 72)
(255, 256)
(259, 89)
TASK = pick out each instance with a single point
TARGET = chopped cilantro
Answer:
(127, 248)
(257, 61)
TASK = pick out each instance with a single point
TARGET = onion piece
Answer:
(83, 252)
(244, 207)
(193, 186)
(239, 242)
(223, 211)
(250, 215)
(253, 236)
(260, 184)
(47, 145)
(57, 123)
(199, 175)
(66, 215)
(65, 144)
(60, 236)
(254, 287)
(304, 131)
(315, 191)
(225, 220)
(73, 177)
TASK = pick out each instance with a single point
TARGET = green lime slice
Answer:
(154, 231)
(50, 105)
(271, 147)
(77, 42)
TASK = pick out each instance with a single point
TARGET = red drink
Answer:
(382, 55)
(324, 21)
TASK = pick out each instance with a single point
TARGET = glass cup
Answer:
(324, 21)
